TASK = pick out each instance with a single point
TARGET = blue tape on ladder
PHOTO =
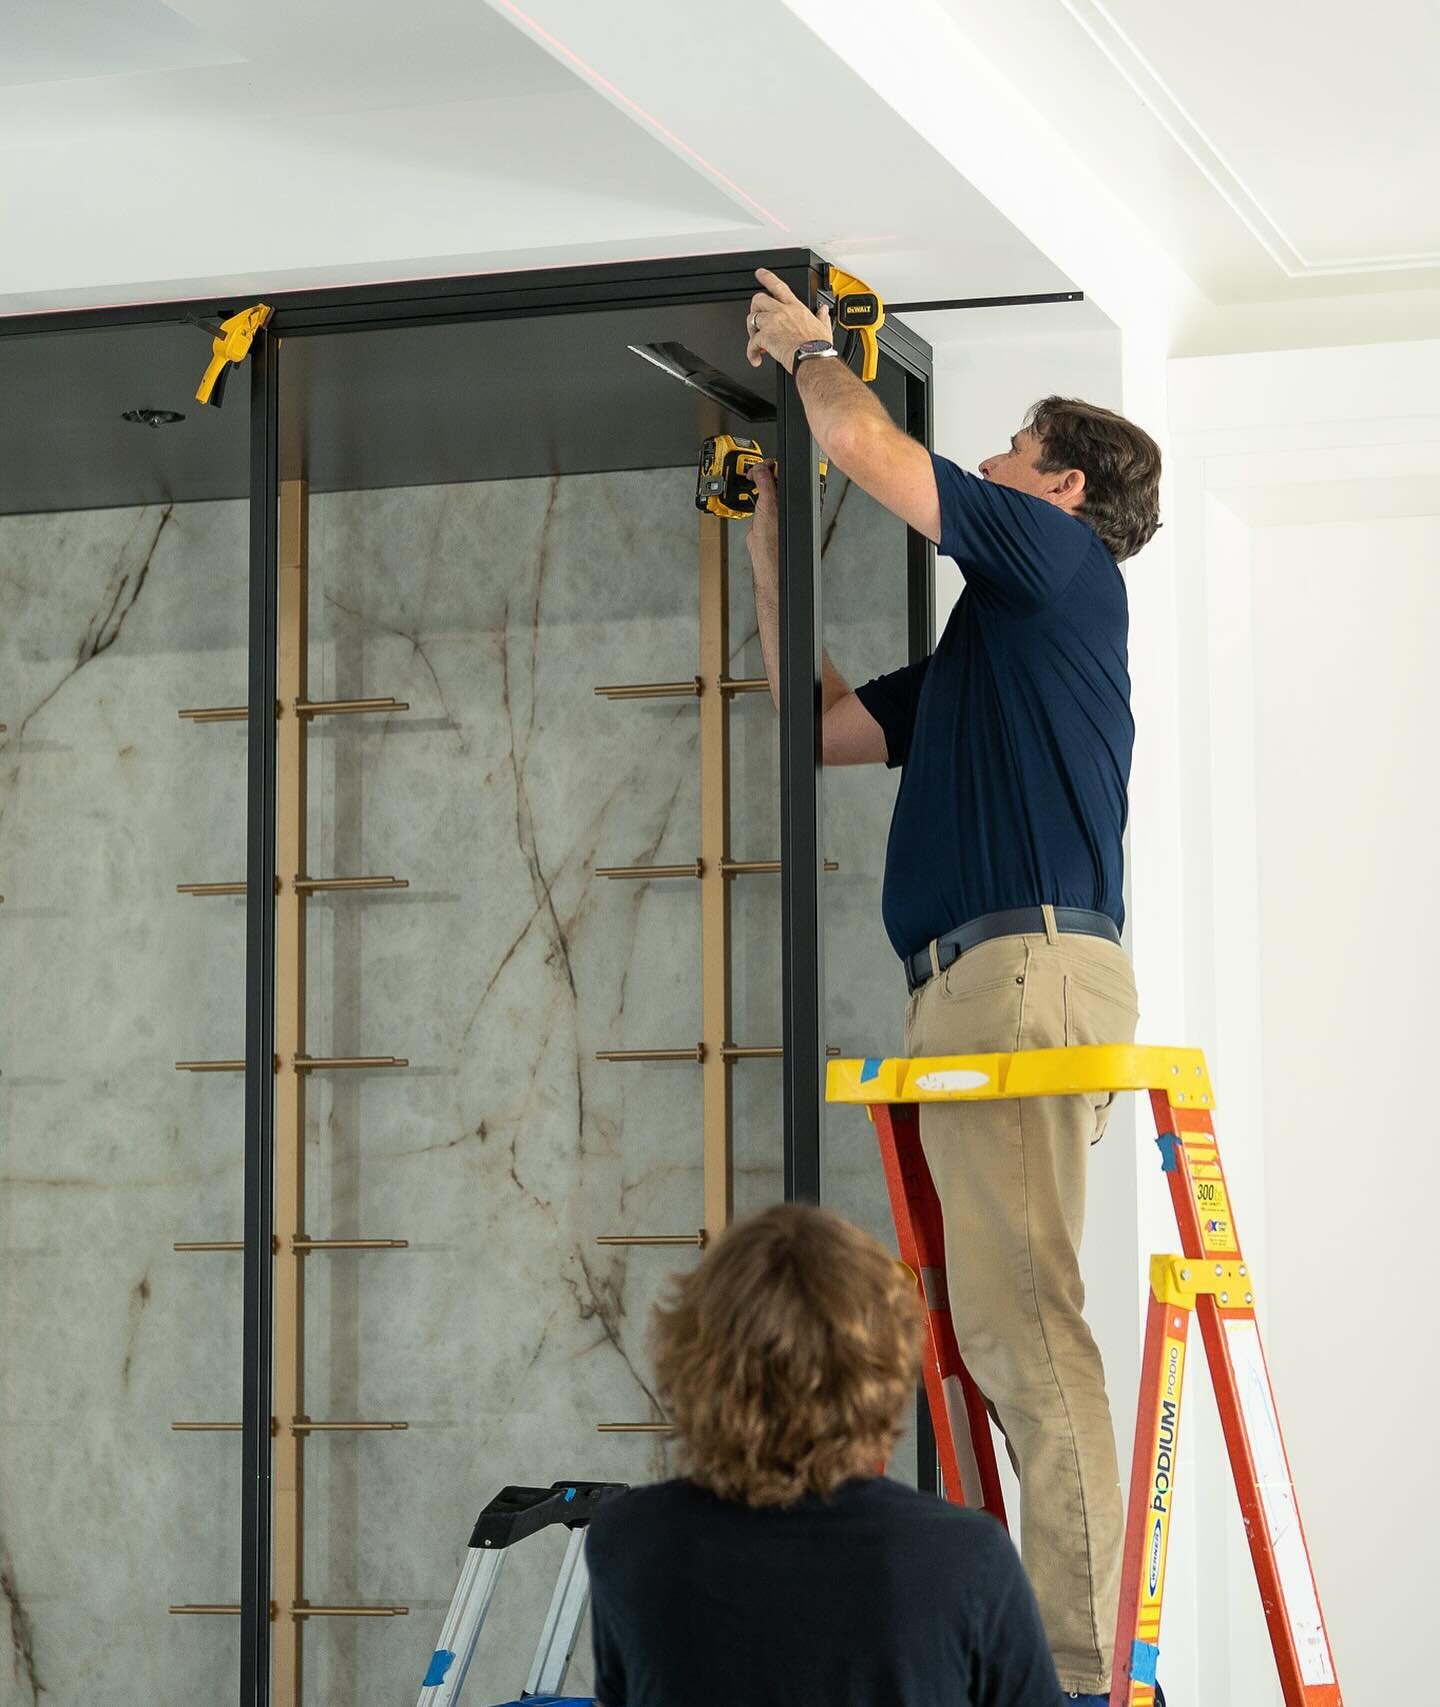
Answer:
(440, 1662)
(550, 1701)
(1169, 1146)
(871, 1069)
(569, 1495)
(1144, 1656)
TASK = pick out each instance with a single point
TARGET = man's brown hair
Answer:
(786, 1358)
(1121, 465)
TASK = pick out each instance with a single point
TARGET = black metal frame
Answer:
(506, 296)
(257, 1406)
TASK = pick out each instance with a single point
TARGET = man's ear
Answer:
(1069, 490)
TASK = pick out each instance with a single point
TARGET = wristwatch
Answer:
(813, 349)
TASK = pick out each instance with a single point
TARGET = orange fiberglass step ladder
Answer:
(1208, 1277)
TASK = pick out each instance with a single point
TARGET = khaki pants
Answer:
(1011, 1180)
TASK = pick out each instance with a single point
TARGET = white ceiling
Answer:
(1281, 152)
(48, 41)
(1257, 161)
(300, 143)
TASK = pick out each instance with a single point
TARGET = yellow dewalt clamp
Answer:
(723, 486)
(859, 309)
(231, 345)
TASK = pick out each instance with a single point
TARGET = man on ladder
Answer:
(1003, 897)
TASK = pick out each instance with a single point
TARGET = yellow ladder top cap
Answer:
(1181, 1073)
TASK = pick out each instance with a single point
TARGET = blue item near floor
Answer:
(560, 1701)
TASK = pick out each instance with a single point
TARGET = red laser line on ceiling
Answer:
(604, 83)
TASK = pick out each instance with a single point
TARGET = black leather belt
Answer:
(1017, 921)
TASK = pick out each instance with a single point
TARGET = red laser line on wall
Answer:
(589, 71)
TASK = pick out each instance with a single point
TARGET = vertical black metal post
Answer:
(920, 615)
(919, 552)
(259, 1028)
(801, 851)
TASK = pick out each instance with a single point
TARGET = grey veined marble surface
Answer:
(503, 1334)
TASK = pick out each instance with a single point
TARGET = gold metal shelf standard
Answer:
(293, 1247)
(713, 869)
(290, 1245)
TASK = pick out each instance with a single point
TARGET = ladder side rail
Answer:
(561, 1630)
(1151, 1502)
(1258, 1460)
(461, 1630)
(961, 1421)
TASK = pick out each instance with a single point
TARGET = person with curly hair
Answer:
(783, 1568)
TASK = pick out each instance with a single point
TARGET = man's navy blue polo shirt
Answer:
(1015, 734)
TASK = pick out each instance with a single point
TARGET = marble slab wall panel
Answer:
(110, 621)
(503, 1334)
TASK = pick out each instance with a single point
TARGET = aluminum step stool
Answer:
(513, 1514)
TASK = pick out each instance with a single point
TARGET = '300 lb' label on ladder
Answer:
(1212, 1202)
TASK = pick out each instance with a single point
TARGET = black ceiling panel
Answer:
(471, 400)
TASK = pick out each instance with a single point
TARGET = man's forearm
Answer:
(833, 685)
(839, 406)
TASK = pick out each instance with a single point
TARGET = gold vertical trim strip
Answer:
(287, 1565)
(714, 888)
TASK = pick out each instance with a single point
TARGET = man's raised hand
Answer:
(778, 322)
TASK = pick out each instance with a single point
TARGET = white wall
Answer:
(1347, 716)
(1308, 540)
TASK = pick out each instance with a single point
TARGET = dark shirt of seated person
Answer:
(782, 1570)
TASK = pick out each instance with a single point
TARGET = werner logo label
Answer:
(1157, 1540)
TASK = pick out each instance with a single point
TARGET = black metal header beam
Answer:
(950, 302)
(543, 290)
